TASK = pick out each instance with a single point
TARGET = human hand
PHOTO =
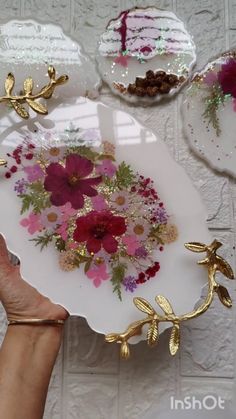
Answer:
(21, 300)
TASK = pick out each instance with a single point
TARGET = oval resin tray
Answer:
(145, 54)
(98, 213)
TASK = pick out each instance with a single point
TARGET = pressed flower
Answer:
(71, 183)
(168, 233)
(62, 230)
(108, 147)
(98, 203)
(210, 78)
(98, 274)
(51, 217)
(227, 77)
(67, 211)
(106, 168)
(67, 261)
(32, 223)
(131, 243)
(99, 230)
(20, 186)
(54, 154)
(34, 172)
(140, 228)
(129, 283)
(120, 200)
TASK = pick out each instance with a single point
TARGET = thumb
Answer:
(4, 256)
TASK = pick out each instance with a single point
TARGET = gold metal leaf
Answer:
(152, 334)
(37, 107)
(224, 296)
(111, 337)
(9, 83)
(19, 108)
(143, 305)
(62, 79)
(47, 91)
(164, 304)
(224, 267)
(28, 85)
(196, 247)
(205, 261)
(124, 350)
(51, 72)
(3, 162)
(174, 339)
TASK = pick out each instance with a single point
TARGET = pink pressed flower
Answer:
(98, 274)
(67, 211)
(62, 230)
(131, 243)
(99, 203)
(32, 223)
(34, 172)
(71, 183)
(107, 168)
(210, 78)
(51, 217)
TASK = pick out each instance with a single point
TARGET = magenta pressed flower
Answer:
(227, 77)
(71, 183)
(99, 229)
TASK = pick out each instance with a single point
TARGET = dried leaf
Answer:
(19, 108)
(224, 296)
(28, 85)
(37, 107)
(174, 339)
(112, 337)
(164, 304)
(224, 267)
(62, 79)
(124, 350)
(196, 247)
(152, 334)
(9, 83)
(144, 305)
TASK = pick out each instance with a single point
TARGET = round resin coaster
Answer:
(145, 54)
(209, 116)
(98, 213)
(28, 47)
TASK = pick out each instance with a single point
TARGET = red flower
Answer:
(227, 77)
(98, 230)
(68, 184)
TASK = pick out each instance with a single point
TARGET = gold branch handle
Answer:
(27, 96)
(214, 264)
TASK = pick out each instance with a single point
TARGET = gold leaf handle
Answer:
(17, 101)
(214, 264)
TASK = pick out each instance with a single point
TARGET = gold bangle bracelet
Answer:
(36, 322)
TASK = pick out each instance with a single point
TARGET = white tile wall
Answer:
(89, 381)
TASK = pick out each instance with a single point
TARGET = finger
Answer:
(4, 257)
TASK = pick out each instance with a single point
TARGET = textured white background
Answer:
(89, 381)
